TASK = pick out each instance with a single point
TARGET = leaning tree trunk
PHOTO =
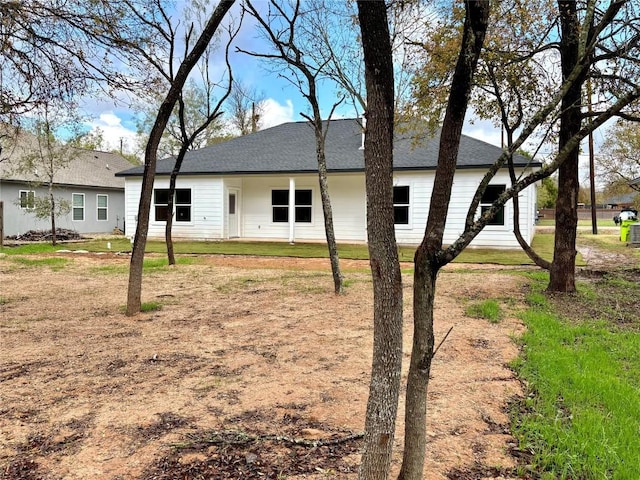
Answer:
(338, 281)
(528, 249)
(384, 389)
(134, 291)
(562, 273)
(426, 261)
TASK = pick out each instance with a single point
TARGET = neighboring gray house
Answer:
(621, 201)
(265, 186)
(88, 183)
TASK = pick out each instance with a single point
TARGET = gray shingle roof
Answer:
(88, 168)
(624, 199)
(290, 148)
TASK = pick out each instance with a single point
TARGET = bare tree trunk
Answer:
(134, 292)
(171, 258)
(531, 253)
(384, 389)
(289, 52)
(54, 238)
(338, 280)
(562, 273)
(426, 261)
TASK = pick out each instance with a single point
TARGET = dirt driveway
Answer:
(252, 368)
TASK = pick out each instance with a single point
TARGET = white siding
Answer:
(464, 186)
(348, 198)
(347, 194)
(206, 208)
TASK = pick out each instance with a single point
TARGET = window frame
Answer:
(405, 206)
(29, 204)
(75, 207)
(499, 219)
(303, 212)
(99, 208)
(179, 204)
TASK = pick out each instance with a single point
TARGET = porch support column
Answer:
(292, 210)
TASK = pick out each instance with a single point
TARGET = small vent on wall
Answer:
(634, 233)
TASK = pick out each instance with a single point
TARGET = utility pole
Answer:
(592, 182)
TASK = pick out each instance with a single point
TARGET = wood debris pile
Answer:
(45, 235)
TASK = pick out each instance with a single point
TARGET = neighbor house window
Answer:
(280, 205)
(401, 205)
(27, 199)
(182, 202)
(77, 205)
(489, 196)
(102, 202)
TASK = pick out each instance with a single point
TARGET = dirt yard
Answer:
(251, 369)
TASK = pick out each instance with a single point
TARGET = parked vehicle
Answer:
(626, 214)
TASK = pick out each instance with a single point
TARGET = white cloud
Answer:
(114, 132)
(274, 113)
(483, 130)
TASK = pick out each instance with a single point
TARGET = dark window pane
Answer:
(183, 196)
(401, 215)
(279, 197)
(280, 214)
(27, 199)
(401, 195)
(161, 196)
(232, 203)
(78, 214)
(102, 214)
(161, 213)
(183, 213)
(303, 214)
(492, 193)
(303, 197)
(498, 219)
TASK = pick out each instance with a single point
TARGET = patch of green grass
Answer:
(4, 300)
(581, 415)
(145, 307)
(551, 222)
(487, 309)
(313, 250)
(55, 263)
(29, 249)
(149, 264)
(111, 269)
(150, 306)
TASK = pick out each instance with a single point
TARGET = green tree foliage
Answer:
(547, 193)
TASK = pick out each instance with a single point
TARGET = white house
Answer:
(265, 186)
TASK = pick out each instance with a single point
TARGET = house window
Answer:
(401, 205)
(102, 202)
(182, 202)
(489, 196)
(280, 206)
(77, 202)
(27, 199)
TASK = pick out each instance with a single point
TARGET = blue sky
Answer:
(283, 102)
